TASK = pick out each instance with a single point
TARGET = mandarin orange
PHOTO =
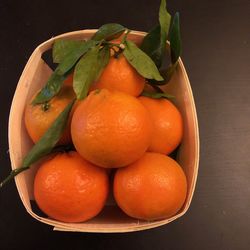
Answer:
(70, 189)
(38, 118)
(167, 124)
(154, 187)
(120, 75)
(111, 129)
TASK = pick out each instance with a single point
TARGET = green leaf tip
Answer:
(154, 43)
(175, 38)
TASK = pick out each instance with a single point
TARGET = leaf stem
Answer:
(45, 106)
(119, 46)
(12, 174)
(125, 36)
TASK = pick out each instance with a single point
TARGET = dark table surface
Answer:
(216, 41)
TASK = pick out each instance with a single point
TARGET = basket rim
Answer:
(60, 225)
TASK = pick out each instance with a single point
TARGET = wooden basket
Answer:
(111, 219)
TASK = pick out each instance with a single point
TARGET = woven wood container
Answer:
(111, 219)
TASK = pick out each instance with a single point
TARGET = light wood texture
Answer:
(111, 219)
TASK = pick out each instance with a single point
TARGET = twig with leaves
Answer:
(88, 58)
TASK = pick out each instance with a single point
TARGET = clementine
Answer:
(167, 124)
(152, 188)
(70, 189)
(120, 75)
(38, 118)
(110, 128)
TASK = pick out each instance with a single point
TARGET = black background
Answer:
(216, 45)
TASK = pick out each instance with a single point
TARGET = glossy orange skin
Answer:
(37, 120)
(152, 188)
(111, 129)
(167, 124)
(70, 189)
(120, 75)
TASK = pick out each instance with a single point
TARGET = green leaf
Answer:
(154, 43)
(70, 59)
(157, 95)
(55, 81)
(61, 48)
(151, 45)
(51, 88)
(88, 69)
(103, 59)
(108, 32)
(45, 145)
(164, 20)
(175, 39)
(141, 61)
(50, 138)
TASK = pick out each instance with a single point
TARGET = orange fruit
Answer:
(152, 188)
(110, 128)
(120, 75)
(167, 124)
(70, 189)
(38, 118)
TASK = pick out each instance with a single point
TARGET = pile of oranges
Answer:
(115, 132)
